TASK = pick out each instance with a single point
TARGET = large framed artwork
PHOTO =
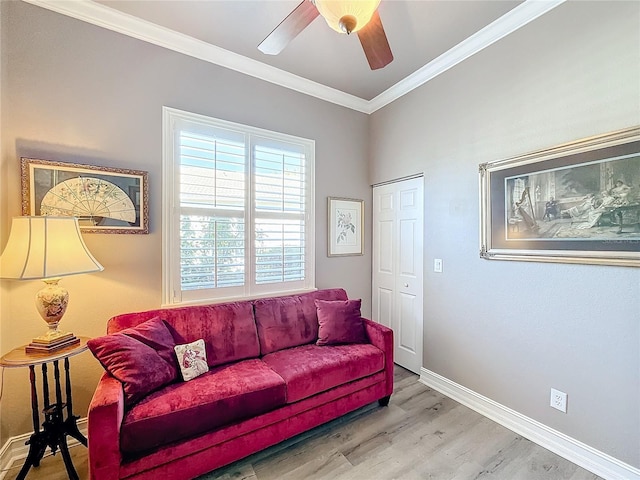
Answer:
(574, 203)
(345, 227)
(105, 200)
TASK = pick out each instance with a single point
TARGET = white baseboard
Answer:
(577, 452)
(15, 449)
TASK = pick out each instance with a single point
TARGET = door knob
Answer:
(406, 285)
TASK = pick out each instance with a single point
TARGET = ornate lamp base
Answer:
(51, 303)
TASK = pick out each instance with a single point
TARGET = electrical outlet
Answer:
(559, 400)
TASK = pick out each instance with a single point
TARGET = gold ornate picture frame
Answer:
(573, 203)
(105, 200)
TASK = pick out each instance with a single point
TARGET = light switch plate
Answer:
(437, 265)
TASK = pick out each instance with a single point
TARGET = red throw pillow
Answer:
(339, 322)
(141, 357)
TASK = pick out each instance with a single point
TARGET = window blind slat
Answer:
(279, 187)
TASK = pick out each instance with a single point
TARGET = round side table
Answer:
(55, 427)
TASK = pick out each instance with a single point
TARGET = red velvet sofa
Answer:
(267, 381)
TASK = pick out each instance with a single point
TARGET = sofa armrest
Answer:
(382, 337)
(106, 412)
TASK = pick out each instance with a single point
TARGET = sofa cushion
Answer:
(141, 358)
(340, 322)
(285, 322)
(311, 369)
(221, 396)
(228, 329)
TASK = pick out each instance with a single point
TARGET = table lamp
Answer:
(47, 248)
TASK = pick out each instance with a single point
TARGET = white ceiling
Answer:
(426, 37)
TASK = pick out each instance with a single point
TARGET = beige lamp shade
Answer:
(46, 247)
(347, 16)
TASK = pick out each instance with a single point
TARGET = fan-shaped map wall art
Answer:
(105, 200)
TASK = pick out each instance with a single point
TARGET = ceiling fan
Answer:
(359, 16)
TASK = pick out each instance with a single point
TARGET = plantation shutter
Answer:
(280, 209)
(212, 211)
(244, 203)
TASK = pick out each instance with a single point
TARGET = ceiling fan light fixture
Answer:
(348, 23)
(347, 16)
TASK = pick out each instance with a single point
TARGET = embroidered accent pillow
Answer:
(192, 359)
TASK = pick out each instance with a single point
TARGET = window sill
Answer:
(212, 301)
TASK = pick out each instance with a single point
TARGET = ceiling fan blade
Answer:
(375, 44)
(289, 28)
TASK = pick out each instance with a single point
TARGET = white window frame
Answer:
(172, 293)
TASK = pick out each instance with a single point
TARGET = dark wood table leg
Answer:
(71, 427)
(37, 448)
(68, 388)
(36, 444)
(45, 386)
(35, 414)
(56, 376)
(64, 450)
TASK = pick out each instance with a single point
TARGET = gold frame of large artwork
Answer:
(576, 203)
(105, 199)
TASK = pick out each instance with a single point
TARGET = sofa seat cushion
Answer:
(311, 369)
(221, 396)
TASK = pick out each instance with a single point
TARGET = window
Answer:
(237, 210)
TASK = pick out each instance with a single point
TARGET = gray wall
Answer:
(512, 330)
(77, 93)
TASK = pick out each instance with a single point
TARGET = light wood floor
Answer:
(421, 435)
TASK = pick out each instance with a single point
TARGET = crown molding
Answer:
(114, 20)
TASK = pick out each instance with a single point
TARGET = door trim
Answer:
(396, 180)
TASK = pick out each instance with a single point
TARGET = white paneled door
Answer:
(398, 220)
